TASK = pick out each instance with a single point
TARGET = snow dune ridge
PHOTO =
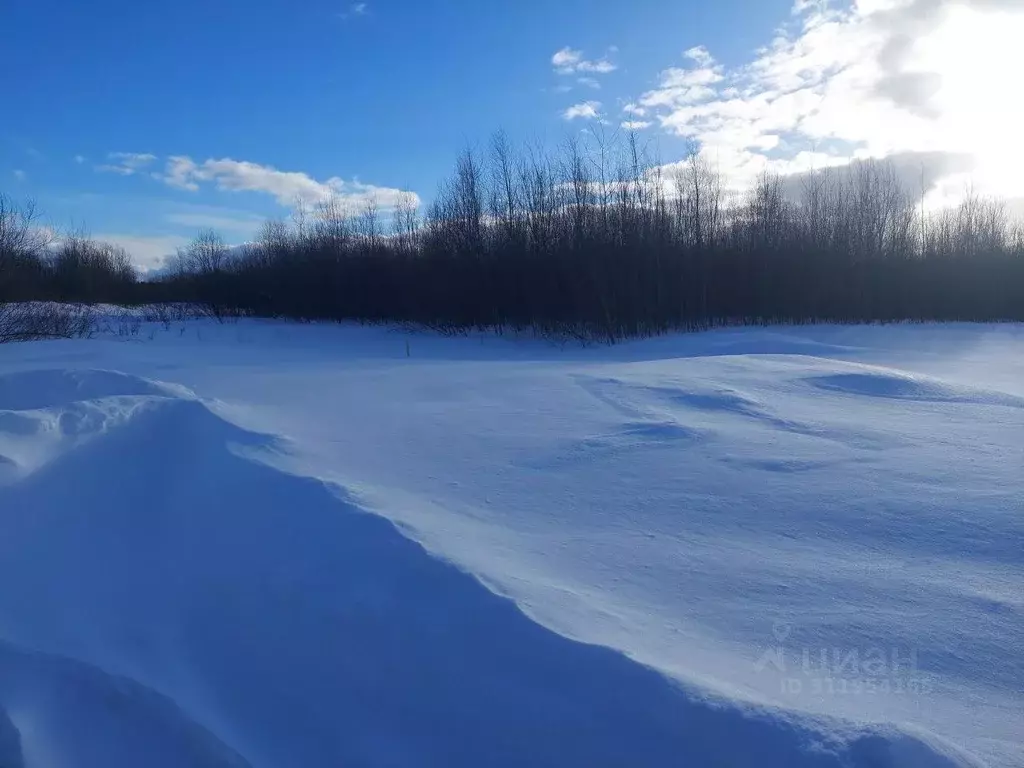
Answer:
(178, 598)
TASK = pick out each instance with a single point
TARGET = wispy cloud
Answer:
(700, 55)
(569, 61)
(19, 174)
(287, 187)
(635, 125)
(354, 11)
(227, 221)
(586, 110)
(79, 159)
(125, 163)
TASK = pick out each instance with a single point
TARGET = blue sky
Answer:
(145, 121)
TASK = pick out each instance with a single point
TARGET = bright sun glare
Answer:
(978, 55)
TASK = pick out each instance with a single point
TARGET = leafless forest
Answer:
(595, 241)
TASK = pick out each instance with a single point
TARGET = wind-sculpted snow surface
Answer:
(267, 545)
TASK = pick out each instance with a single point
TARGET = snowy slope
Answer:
(777, 547)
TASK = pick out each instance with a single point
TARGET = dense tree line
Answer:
(597, 241)
(36, 264)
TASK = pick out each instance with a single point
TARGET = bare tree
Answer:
(206, 254)
(369, 222)
(405, 222)
(23, 244)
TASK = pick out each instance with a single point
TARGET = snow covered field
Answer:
(262, 544)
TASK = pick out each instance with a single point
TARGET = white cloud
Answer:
(587, 110)
(679, 86)
(565, 60)
(879, 78)
(636, 125)
(125, 163)
(178, 173)
(590, 82)
(701, 55)
(569, 61)
(287, 187)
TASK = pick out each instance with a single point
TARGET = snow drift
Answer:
(301, 553)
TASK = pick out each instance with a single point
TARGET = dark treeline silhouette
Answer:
(598, 242)
(37, 265)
